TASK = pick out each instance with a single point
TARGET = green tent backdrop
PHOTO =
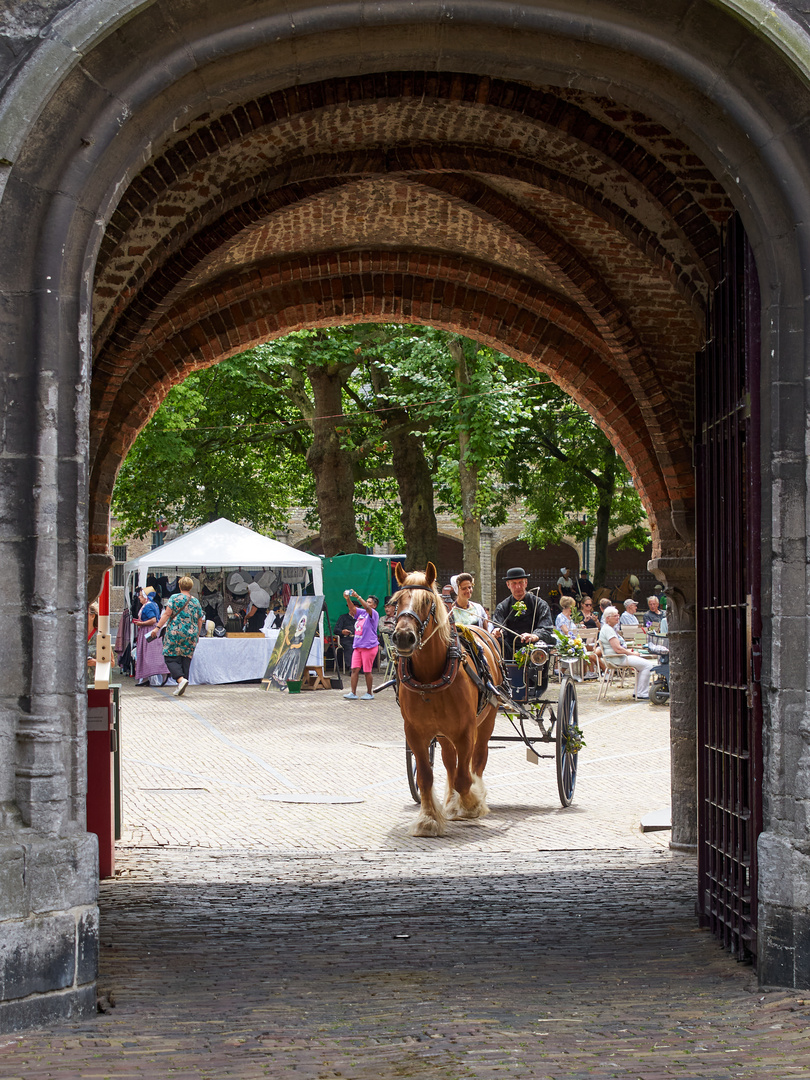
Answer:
(370, 575)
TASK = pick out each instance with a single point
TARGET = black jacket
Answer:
(537, 616)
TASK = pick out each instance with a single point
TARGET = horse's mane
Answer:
(420, 602)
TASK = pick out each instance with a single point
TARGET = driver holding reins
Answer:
(532, 614)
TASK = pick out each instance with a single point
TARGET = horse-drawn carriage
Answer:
(452, 685)
(547, 723)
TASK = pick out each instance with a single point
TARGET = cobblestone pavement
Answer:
(246, 937)
(240, 767)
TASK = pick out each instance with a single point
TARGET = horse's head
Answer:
(418, 605)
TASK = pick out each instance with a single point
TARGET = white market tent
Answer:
(223, 545)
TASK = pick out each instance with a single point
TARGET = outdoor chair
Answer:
(612, 673)
(390, 657)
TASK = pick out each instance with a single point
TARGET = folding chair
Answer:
(612, 673)
(589, 636)
(390, 656)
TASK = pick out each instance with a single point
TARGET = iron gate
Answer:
(728, 591)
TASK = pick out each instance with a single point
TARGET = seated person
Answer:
(389, 620)
(628, 617)
(565, 620)
(386, 627)
(521, 627)
(652, 616)
(617, 654)
(590, 620)
(467, 612)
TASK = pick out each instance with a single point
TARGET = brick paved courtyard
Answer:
(272, 917)
(240, 767)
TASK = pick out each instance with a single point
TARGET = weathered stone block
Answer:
(15, 635)
(37, 955)
(784, 873)
(87, 946)
(42, 1011)
(8, 731)
(783, 947)
(12, 881)
(62, 874)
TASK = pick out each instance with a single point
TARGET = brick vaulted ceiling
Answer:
(576, 235)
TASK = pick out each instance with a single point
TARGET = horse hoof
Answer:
(427, 827)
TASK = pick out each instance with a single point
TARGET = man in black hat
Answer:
(584, 584)
(536, 616)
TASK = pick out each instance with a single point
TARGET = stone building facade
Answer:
(180, 180)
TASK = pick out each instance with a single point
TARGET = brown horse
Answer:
(439, 699)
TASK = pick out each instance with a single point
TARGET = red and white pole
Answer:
(103, 641)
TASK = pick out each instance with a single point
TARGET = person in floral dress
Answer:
(183, 618)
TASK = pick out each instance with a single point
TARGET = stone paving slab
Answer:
(249, 937)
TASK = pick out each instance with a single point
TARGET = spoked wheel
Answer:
(567, 725)
(410, 765)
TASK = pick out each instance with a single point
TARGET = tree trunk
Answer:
(603, 513)
(414, 479)
(468, 476)
(415, 485)
(331, 465)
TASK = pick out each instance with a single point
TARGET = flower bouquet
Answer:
(570, 648)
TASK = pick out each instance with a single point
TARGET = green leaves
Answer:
(232, 440)
(217, 447)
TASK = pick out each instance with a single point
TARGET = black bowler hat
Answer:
(514, 573)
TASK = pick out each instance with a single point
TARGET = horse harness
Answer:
(462, 649)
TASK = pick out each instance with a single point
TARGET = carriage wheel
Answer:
(567, 719)
(410, 765)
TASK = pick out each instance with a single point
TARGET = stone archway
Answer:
(175, 189)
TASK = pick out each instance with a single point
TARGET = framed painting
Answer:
(288, 660)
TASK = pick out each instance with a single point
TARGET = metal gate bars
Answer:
(728, 589)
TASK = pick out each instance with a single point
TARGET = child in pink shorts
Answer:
(365, 641)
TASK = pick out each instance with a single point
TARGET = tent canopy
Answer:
(223, 545)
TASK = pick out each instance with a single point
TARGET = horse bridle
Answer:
(420, 622)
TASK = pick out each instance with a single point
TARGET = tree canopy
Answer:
(341, 420)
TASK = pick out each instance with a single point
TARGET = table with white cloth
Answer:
(238, 659)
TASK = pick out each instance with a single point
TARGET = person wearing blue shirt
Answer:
(148, 659)
(629, 617)
(150, 612)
